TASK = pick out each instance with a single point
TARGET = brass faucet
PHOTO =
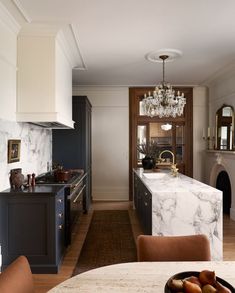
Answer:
(167, 151)
(174, 169)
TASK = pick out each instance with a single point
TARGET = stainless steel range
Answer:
(74, 187)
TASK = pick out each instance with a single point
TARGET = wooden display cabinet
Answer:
(178, 139)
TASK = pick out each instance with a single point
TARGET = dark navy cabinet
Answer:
(72, 147)
(143, 204)
(32, 224)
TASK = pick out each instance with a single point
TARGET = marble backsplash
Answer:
(36, 149)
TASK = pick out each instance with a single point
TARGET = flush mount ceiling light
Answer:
(163, 102)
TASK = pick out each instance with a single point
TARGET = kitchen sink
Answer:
(154, 175)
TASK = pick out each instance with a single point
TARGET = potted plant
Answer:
(151, 151)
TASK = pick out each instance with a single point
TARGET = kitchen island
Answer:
(168, 205)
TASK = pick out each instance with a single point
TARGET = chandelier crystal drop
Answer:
(163, 102)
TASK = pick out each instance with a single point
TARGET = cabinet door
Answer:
(135, 187)
(28, 230)
(143, 204)
(34, 227)
(146, 209)
(139, 199)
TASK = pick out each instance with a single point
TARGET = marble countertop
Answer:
(44, 188)
(37, 189)
(168, 183)
(149, 277)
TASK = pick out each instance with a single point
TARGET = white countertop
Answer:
(168, 183)
(149, 277)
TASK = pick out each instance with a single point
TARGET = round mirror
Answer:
(225, 128)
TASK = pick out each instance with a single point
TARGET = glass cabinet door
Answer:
(167, 136)
(141, 109)
(180, 144)
(161, 133)
(141, 139)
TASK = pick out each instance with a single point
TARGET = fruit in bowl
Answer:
(198, 282)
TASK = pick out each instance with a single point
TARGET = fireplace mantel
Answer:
(217, 161)
(221, 152)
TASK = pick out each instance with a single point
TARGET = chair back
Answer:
(17, 277)
(173, 248)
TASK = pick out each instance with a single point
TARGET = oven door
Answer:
(74, 207)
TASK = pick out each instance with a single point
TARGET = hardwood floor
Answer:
(44, 282)
(229, 238)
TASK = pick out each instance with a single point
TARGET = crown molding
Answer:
(133, 85)
(68, 41)
(22, 10)
(8, 20)
(76, 40)
(221, 73)
(96, 88)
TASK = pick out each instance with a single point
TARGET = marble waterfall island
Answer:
(168, 205)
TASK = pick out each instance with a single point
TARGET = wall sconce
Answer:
(209, 137)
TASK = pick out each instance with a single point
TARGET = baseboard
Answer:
(109, 200)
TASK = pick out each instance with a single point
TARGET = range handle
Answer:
(76, 188)
(75, 200)
(84, 176)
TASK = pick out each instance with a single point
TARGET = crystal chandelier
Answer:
(163, 102)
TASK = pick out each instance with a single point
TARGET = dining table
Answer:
(140, 276)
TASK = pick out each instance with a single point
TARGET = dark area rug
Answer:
(109, 241)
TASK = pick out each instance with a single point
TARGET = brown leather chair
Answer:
(17, 277)
(173, 248)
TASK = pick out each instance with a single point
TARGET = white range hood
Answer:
(46, 56)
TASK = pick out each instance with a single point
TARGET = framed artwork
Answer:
(13, 150)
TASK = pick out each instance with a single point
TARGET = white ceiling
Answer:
(115, 35)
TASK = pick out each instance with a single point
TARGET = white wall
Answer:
(200, 122)
(221, 91)
(35, 142)
(8, 40)
(110, 141)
